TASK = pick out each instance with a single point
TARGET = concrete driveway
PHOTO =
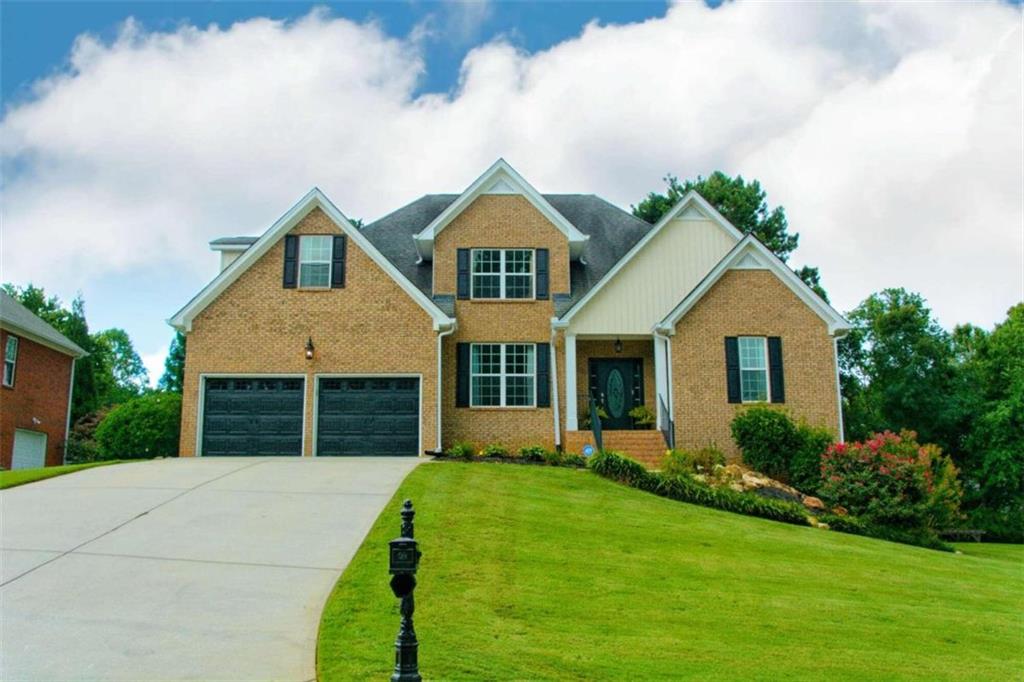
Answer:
(204, 569)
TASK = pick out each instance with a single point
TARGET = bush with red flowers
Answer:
(893, 481)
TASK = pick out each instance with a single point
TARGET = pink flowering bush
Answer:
(892, 480)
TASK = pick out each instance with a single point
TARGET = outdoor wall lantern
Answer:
(618, 345)
(309, 348)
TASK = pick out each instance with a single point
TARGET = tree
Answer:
(173, 378)
(128, 375)
(741, 203)
(897, 371)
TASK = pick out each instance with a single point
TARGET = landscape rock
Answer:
(813, 503)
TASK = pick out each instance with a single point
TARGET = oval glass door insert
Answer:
(616, 394)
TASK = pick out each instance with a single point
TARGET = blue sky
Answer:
(198, 120)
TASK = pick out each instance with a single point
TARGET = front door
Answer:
(617, 386)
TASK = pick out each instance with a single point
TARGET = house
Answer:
(35, 390)
(492, 316)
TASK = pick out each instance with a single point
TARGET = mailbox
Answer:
(405, 557)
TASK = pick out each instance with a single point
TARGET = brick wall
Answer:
(507, 221)
(41, 383)
(748, 303)
(256, 326)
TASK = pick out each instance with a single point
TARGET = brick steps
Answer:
(646, 447)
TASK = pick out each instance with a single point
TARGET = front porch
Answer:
(623, 375)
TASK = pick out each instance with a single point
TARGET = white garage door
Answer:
(29, 450)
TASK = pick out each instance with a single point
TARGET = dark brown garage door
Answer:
(252, 417)
(371, 416)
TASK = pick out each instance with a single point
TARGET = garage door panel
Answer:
(368, 416)
(252, 417)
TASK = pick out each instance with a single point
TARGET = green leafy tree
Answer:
(743, 204)
(126, 374)
(173, 378)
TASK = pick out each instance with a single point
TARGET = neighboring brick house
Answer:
(35, 389)
(492, 316)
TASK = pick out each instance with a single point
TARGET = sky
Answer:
(134, 133)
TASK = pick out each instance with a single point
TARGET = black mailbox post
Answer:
(404, 559)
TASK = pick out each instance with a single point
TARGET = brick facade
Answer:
(38, 401)
(749, 303)
(500, 221)
(372, 326)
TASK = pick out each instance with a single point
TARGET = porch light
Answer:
(618, 345)
(309, 348)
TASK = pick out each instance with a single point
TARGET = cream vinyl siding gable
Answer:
(656, 278)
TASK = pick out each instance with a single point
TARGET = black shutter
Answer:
(338, 263)
(775, 369)
(462, 280)
(291, 261)
(462, 375)
(732, 368)
(543, 374)
(542, 274)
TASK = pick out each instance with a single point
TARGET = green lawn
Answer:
(541, 573)
(9, 479)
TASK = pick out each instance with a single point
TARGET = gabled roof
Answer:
(690, 199)
(182, 319)
(751, 254)
(21, 321)
(500, 178)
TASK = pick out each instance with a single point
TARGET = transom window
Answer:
(502, 273)
(753, 369)
(315, 261)
(502, 375)
(10, 359)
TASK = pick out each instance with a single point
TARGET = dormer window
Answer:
(502, 273)
(315, 261)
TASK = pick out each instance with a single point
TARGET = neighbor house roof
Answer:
(18, 319)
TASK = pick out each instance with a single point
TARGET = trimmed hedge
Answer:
(617, 467)
(143, 427)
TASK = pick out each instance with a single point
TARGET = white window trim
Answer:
(502, 274)
(9, 360)
(766, 370)
(502, 376)
(301, 262)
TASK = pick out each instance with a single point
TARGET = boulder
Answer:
(813, 503)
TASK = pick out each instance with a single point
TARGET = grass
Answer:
(9, 479)
(544, 573)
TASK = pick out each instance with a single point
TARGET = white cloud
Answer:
(891, 132)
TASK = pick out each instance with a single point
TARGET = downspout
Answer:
(440, 393)
(670, 389)
(67, 424)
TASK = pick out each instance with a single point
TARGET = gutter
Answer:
(556, 324)
(442, 332)
(67, 423)
(665, 334)
(839, 390)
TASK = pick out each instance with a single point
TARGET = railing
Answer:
(595, 424)
(668, 428)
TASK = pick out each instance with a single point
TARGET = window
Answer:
(315, 261)
(753, 369)
(10, 359)
(502, 273)
(502, 375)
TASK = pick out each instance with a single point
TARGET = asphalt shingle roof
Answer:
(18, 318)
(612, 232)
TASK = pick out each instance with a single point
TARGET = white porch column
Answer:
(571, 421)
(660, 378)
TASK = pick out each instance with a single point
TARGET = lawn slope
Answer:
(543, 573)
(9, 479)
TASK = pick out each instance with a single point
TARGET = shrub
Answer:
(553, 458)
(805, 461)
(146, 426)
(461, 450)
(767, 437)
(680, 462)
(892, 481)
(533, 453)
(574, 460)
(494, 450)
(642, 416)
(82, 446)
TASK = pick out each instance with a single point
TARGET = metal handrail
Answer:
(595, 425)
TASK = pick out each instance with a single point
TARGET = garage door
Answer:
(252, 417)
(368, 416)
(29, 450)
